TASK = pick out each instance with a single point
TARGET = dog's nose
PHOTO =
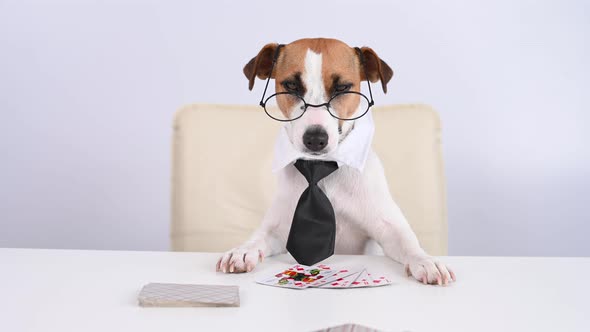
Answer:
(315, 138)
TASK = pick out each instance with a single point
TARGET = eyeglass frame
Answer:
(305, 104)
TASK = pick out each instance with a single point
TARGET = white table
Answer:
(70, 290)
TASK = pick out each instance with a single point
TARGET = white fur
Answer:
(362, 203)
(315, 94)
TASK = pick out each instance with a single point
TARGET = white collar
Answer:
(352, 151)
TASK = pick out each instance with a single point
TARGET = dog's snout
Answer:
(315, 138)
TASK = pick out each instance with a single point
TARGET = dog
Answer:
(316, 69)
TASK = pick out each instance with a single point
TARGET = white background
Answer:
(88, 90)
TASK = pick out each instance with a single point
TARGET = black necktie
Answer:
(313, 231)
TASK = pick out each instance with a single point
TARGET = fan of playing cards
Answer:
(323, 276)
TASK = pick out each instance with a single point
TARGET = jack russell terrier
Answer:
(318, 70)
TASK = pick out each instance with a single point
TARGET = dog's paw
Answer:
(430, 271)
(240, 259)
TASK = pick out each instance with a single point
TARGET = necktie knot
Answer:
(315, 170)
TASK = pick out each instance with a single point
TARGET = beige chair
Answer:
(222, 181)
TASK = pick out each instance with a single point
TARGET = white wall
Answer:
(88, 90)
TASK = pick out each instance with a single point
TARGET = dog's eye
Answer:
(291, 86)
(342, 88)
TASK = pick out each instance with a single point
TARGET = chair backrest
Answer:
(222, 181)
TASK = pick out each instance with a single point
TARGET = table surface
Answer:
(76, 290)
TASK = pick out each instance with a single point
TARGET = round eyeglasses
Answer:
(286, 106)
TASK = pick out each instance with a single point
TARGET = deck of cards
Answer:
(187, 295)
(323, 276)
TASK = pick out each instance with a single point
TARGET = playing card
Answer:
(338, 273)
(298, 276)
(342, 282)
(361, 280)
(323, 276)
(378, 280)
(367, 279)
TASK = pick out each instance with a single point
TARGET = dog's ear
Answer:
(261, 64)
(375, 68)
